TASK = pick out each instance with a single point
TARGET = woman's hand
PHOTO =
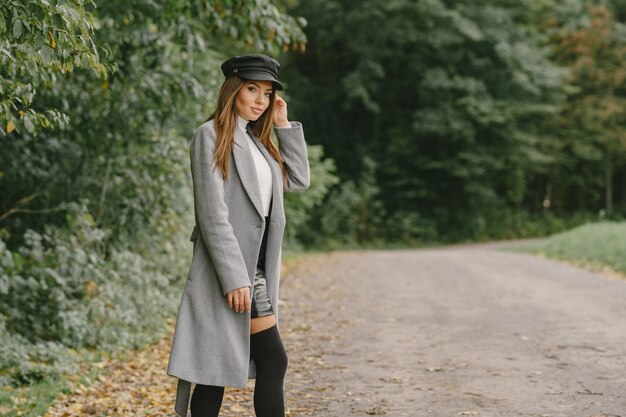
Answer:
(239, 299)
(280, 112)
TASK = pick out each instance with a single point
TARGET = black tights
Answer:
(270, 358)
(206, 400)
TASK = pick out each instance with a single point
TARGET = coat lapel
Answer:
(246, 169)
(251, 180)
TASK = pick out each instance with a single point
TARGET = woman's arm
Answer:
(292, 148)
(212, 213)
(295, 155)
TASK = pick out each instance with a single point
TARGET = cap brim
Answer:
(260, 76)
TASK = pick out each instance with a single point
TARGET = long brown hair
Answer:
(225, 123)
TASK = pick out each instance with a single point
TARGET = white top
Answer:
(263, 171)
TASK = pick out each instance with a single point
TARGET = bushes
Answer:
(60, 291)
(353, 215)
(506, 223)
(22, 361)
(299, 207)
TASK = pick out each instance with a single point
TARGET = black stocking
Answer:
(270, 358)
(206, 400)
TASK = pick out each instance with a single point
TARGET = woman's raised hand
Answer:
(280, 112)
(239, 299)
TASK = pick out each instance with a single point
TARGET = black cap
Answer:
(253, 67)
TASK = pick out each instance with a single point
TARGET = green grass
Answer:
(595, 245)
(32, 400)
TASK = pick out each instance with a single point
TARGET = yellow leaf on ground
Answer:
(237, 408)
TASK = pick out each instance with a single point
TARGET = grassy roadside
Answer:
(33, 400)
(30, 401)
(596, 246)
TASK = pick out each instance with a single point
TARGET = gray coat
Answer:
(211, 343)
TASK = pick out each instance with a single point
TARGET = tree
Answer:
(446, 97)
(593, 121)
(41, 43)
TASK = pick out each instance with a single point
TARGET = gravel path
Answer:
(463, 330)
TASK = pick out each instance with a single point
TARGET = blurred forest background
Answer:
(428, 121)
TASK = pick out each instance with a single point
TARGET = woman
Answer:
(227, 326)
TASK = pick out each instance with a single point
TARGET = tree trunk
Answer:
(608, 197)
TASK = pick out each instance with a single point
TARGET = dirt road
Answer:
(456, 331)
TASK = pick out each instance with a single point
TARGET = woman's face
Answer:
(253, 98)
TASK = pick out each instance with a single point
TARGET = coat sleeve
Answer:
(212, 213)
(294, 153)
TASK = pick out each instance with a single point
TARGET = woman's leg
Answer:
(206, 400)
(261, 323)
(270, 358)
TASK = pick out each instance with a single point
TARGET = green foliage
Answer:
(595, 245)
(41, 42)
(591, 127)
(23, 362)
(350, 214)
(464, 110)
(31, 400)
(60, 290)
(299, 206)
(511, 224)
